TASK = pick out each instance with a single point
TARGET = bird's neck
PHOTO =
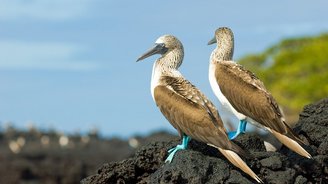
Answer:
(169, 63)
(223, 52)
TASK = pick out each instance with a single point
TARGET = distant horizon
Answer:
(6, 126)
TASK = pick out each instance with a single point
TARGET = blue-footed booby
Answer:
(243, 94)
(187, 108)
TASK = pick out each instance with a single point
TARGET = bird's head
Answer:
(222, 35)
(163, 46)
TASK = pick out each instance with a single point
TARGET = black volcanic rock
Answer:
(203, 164)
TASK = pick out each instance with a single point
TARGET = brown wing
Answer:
(190, 92)
(188, 116)
(247, 94)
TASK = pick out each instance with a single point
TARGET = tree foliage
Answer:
(295, 71)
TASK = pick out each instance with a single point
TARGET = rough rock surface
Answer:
(203, 164)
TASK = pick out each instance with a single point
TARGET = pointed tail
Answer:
(291, 144)
(238, 162)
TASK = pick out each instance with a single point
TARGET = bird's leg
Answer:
(241, 129)
(182, 146)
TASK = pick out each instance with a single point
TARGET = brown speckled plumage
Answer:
(247, 94)
(186, 108)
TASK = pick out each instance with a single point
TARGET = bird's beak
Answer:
(156, 49)
(212, 41)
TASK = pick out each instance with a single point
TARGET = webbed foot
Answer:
(241, 129)
(182, 146)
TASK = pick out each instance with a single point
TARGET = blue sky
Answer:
(70, 65)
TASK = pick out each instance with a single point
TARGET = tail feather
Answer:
(238, 162)
(293, 135)
(291, 144)
(239, 151)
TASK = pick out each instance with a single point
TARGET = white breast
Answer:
(155, 76)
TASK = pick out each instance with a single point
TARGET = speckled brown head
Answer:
(170, 49)
(222, 34)
(163, 45)
(170, 41)
(225, 43)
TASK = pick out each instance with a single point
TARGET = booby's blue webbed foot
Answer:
(241, 129)
(182, 146)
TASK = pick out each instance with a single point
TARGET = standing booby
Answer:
(243, 94)
(185, 107)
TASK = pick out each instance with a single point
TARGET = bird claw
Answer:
(240, 130)
(182, 146)
(171, 155)
(232, 135)
(170, 150)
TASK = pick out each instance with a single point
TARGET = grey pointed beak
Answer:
(212, 41)
(156, 49)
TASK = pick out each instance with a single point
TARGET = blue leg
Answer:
(241, 129)
(183, 145)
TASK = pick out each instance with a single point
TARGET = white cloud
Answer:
(43, 9)
(43, 56)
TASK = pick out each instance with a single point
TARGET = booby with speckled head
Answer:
(186, 107)
(242, 93)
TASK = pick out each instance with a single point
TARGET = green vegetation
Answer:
(295, 71)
